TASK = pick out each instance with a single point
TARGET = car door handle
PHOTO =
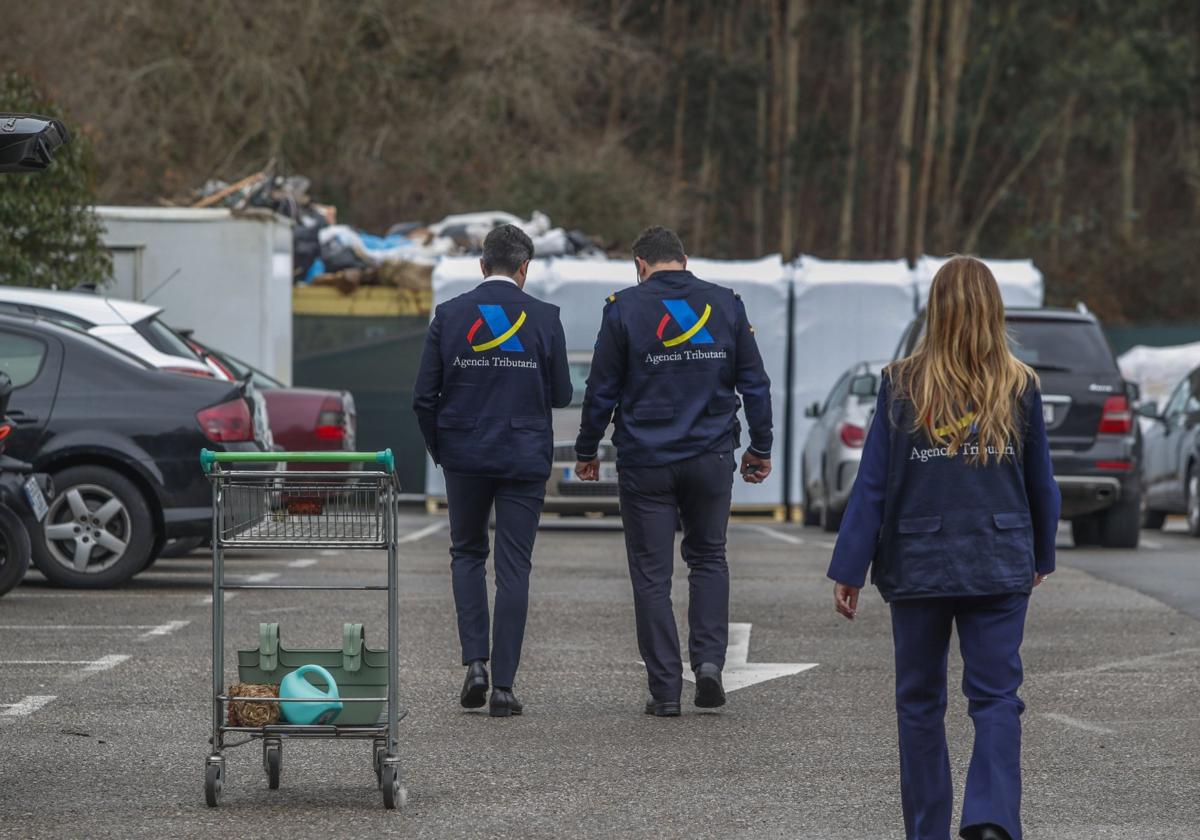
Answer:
(21, 418)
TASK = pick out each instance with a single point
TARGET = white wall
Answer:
(228, 278)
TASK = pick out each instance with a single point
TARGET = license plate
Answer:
(1047, 413)
(37, 501)
(608, 473)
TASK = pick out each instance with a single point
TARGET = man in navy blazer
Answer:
(493, 368)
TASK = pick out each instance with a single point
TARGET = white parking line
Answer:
(104, 663)
(422, 533)
(164, 629)
(260, 577)
(302, 563)
(207, 599)
(778, 535)
(1078, 724)
(1152, 545)
(27, 706)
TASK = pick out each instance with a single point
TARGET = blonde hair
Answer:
(962, 378)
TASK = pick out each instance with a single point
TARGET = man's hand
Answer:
(588, 470)
(1038, 578)
(754, 469)
(845, 600)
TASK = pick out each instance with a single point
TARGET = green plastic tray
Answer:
(358, 670)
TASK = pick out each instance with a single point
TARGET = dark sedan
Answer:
(121, 440)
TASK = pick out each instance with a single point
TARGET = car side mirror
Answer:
(864, 385)
(28, 142)
(1149, 410)
(813, 410)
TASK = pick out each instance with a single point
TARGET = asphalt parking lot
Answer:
(103, 704)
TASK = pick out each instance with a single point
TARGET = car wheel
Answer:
(831, 519)
(98, 532)
(1085, 530)
(1193, 500)
(14, 549)
(1121, 525)
(807, 507)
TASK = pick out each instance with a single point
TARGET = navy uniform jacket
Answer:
(493, 368)
(670, 353)
(929, 525)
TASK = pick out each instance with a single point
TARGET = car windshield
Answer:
(164, 339)
(1072, 346)
(579, 374)
(240, 369)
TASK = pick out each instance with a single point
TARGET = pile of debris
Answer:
(328, 253)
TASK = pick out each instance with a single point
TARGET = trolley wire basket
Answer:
(348, 509)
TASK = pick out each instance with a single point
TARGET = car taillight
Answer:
(331, 422)
(5, 430)
(228, 422)
(853, 436)
(1117, 418)
(187, 371)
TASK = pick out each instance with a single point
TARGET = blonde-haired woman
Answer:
(955, 511)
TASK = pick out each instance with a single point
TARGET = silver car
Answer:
(564, 492)
(834, 446)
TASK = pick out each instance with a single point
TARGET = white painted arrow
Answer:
(739, 673)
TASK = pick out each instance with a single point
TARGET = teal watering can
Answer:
(296, 687)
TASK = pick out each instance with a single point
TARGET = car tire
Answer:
(114, 546)
(831, 520)
(1121, 525)
(1085, 530)
(1153, 519)
(14, 549)
(1193, 500)
(806, 507)
(180, 547)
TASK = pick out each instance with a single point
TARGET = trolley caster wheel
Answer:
(272, 763)
(214, 780)
(395, 795)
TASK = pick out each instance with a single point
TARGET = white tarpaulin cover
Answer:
(580, 287)
(1159, 369)
(844, 313)
(1020, 282)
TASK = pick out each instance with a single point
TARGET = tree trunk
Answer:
(954, 208)
(908, 110)
(677, 141)
(704, 191)
(616, 87)
(763, 155)
(998, 194)
(932, 92)
(873, 241)
(846, 223)
(957, 32)
(1058, 185)
(1128, 212)
(791, 118)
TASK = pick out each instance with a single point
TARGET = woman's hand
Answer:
(845, 600)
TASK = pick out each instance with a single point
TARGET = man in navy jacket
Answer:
(493, 368)
(670, 355)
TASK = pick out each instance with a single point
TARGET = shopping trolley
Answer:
(288, 509)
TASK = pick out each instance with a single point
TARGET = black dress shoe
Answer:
(992, 832)
(504, 703)
(662, 708)
(710, 693)
(475, 686)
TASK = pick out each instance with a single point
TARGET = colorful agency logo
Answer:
(504, 331)
(691, 326)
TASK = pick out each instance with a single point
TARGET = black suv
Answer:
(1095, 445)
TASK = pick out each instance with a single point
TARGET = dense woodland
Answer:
(1065, 130)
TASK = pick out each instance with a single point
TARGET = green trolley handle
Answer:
(208, 458)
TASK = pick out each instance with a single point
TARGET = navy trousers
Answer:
(695, 491)
(518, 507)
(990, 630)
